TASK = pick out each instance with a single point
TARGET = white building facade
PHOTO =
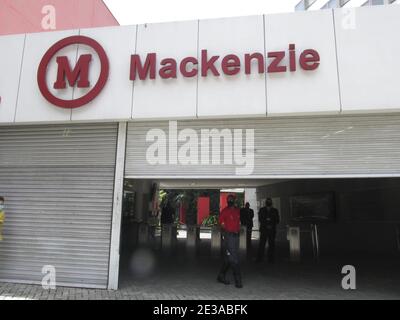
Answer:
(319, 89)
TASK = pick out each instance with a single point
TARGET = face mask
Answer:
(1, 206)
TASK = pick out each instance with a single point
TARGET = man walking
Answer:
(268, 217)
(229, 221)
(246, 219)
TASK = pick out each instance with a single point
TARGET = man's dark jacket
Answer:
(246, 217)
(268, 218)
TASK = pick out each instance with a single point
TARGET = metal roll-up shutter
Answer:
(57, 181)
(343, 145)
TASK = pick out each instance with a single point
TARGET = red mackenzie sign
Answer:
(167, 68)
(230, 64)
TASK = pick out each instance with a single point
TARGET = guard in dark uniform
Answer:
(229, 221)
(167, 213)
(268, 217)
(246, 219)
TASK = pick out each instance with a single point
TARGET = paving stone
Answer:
(379, 280)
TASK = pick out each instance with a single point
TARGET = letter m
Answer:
(143, 70)
(80, 71)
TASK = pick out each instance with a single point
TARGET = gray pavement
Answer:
(176, 277)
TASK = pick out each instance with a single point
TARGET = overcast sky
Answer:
(148, 11)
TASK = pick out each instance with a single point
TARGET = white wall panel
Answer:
(303, 91)
(368, 54)
(240, 94)
(165, 98)
(115, 100)
(32, 106)
(366, 68)
(11, 49)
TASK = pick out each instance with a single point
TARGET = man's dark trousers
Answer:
(248, 240)
(231, 255)
(267, 234)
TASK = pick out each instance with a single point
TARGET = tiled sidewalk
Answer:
(183, 280)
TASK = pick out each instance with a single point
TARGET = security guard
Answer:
(246, 219)
(167, 213)
(268, 217)
(229, 221)
(1, 216)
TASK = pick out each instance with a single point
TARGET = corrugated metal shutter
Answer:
(57, 181)
(342, 145)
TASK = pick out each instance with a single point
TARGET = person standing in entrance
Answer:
(268, 217)
(229, 221)
(246, 219)
(167, 213)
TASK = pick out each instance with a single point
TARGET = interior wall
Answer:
(250, 196)
(142, 189)
(366, 213)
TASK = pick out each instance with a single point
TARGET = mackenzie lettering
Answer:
(230, 64)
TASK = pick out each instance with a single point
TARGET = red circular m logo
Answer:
(77, 76)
